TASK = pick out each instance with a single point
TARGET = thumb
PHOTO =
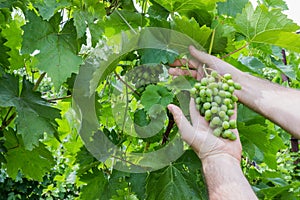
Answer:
(185, 128)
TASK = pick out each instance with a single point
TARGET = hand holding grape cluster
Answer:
(215, 101)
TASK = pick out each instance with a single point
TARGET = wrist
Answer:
(222, 159)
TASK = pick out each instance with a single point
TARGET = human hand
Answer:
(200, 136)
(196, 65)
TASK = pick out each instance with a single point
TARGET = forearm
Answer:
(277, 103)
(225, 179)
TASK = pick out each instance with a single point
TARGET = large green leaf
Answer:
(191, 28)
(13, 34)
(34, 115)
(183, 6)
(58, 48)
(169, 184)
(47, 8)
(259, 144)
(231, 7)
(270, 26)
(33, 164)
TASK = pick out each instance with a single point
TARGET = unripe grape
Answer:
(227, 76)
(237, 86)
(206, 105)
(204, 81)
(231, 89)
(208, 92)
(232, 124)
(214, 109)
(234, 98)
(217, 132)
(214, 74)
(225, 86)
(193, 91)
(197, 85)
(230, 82)
(198, 100)
(230, 113)
(216, 121)
(222, 114)
(223, 108)
(225, 125)
(217, 99)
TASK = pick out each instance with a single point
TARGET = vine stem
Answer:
(38, 82)
(119, 77)
(59, 98)
(235, 51)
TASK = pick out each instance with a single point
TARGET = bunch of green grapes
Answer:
(215, 101)
(144, 75)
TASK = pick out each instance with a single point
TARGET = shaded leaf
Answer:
(35, 116)
(58, 48)
(231, 7)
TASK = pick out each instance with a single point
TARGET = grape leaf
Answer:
(253, 63)
(276, 4)
(192, 29)
(58, 49)
(13, 34)
(182, 6)
(257, 140)
(270, 26)
(169, 183)
(33, 164)
(89, 18)
(35, 115)
(122, 20)
(155, 94)
(231, 7)
(47, 8)
(150, 56)
(3, 52)
(95, 185)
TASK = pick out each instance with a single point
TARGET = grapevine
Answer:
(215, 100)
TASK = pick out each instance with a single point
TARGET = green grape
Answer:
(204, 81)
(227, 101)
(237, 86)
(225, 86)
(214, 109)
(193, 91)
(197, 85)
(208, 114)
(230, 112)
(222, 93)
(218, 99)
(223, 108)
(226, 125)
(208, 92)
(227, 76)
(206, 105)
(231, 89)
(198, 100)
(227, 133)
(214, 74)
(232, 136)
(211, 79)
(216, 121)
(222, 114)
(232, 124)
(234, 98)
(230, 82)
(217, 132)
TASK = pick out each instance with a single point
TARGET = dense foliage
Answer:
(44, 44)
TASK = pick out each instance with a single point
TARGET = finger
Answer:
(207, 59)
(196, 118)
(187, 132)
(180, 72)
(178, 63)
